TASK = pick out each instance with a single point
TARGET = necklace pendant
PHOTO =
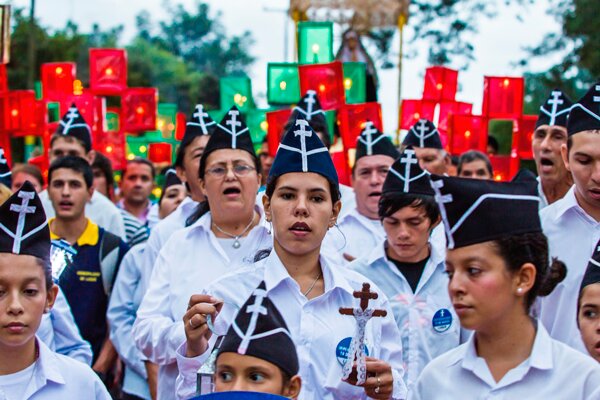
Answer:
(236, 244)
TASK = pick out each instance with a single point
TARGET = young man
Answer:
(360, 229)
(425, 139)
(572, 224)
(73, 138)
(86, 277)
(135, 205)
(549, 136)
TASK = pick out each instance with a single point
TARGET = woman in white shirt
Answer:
(228, 228)
(302, 202)
(497, 262)
(28, 368)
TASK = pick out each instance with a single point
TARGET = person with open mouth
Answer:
(302, 201)
(497, 264)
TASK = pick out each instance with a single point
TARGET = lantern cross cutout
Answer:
(441, 200)
(23, 209)
(200, 114)
(303, 133)
(369, 131)
(255, 309)
(555, 101)
(234, 124)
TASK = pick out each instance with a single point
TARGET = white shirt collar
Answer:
(48, 369)
(567, 203)
(204, 223)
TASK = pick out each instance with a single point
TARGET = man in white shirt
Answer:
(572, 224)
(73, 138)
(549, 136)
(360, 230)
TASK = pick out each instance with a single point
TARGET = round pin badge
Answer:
(442, 320)
(342, 349)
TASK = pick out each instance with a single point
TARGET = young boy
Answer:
(87, 278)
(28, 368)
(588, 306)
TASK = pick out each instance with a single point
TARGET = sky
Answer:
(498, 45)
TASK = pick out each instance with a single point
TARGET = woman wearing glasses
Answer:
(302, 201)
(228, 229)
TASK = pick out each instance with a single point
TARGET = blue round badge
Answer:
(442, 320)
(341, 351)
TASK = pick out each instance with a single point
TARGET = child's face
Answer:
(237, 372)
(589, 319)
(23, 299)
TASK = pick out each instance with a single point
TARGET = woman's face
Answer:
(407, 232)
(482, 289)
(100, 183)
(301, 211)
(171, 199)
(230, 182)
(19, 179)
(23, 299)
(589, 319)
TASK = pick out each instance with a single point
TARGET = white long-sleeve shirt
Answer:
(190, 260)
(316, 325)
(572, 236)
(552, 371)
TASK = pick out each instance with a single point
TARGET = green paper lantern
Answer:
(37, 87)
(137, 146)
(217, 115)
(315, 42)
(283, 83)
(331, 118)
(54, 112)
(236, 90)
(256, 120)
(165, 120)
(112, 121)
(355, 82)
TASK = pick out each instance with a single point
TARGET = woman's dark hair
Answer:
(390, 203)
(532, 248)
(474, 155)
(204, 207)
(76, 164)
(29, 169)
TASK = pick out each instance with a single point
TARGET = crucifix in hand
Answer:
(357, 352)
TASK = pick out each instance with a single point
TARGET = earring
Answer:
(46, 310)
(520, 290)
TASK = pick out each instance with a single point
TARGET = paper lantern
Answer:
(112, 145)
(276, 121)
(19, 112)
(165, 120)
(467, 132)
(42, 163)
(355, 82)
(139, 107)
(256, 120)
(503, 97)
(57, 79)
(352, 118)
(217, 115)
(236, 90)
(505, 167)
(523, 136)
(444, 111)
(85, 103)
(113, 119)
(283, 83)
(180, 123)
(3, 79)
(413, 110)
(137, 146)
(108, 71)
(441, 84)
(340, 161)
(160, 153)
(315, 42)
(327, 80)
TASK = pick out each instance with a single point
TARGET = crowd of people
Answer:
(421, 280)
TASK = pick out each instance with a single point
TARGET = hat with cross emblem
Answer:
(592, 273)
(23, 225)
(199, 124)
(423, 134)
(585, 114)
(555, 110)
(260, 331)
(72, 124)
(301, 150)
(372, 142)
(406, 176)
(475, 211)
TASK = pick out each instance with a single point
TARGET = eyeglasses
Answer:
(239, 170)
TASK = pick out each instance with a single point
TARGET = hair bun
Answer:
(556, 274)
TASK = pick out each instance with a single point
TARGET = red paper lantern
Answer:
(325, 79)
(340, 161)
(108, 71)
(86, 103)
(503, 97)
(113, 146)
(160, 152)
(352, 117)
(139, 107)
(276, 121)
(180, 123)
(505, 167)
(5, 144)
(3, 79)
(467, 132)
(42, 163)
(19, 112)
(412, 111)
(448, 108)
(441, 84)
(57, 79)
(523, 135)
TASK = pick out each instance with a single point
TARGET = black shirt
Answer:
(411, 271)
